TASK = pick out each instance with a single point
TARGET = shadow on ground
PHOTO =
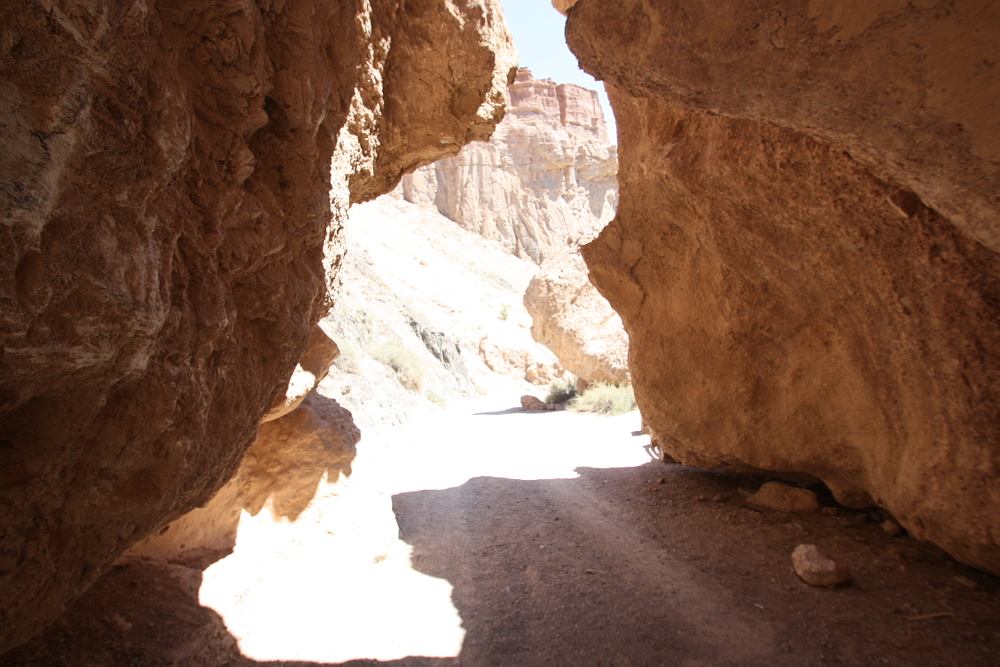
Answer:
(653, 565)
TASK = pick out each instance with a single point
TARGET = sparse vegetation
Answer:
(436, 399)
(504, 311)
(349, 360)
(605, 399)
(405, 362)
(561, 390)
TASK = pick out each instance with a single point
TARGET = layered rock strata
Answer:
(545, 180)
(572, 319)
(166, 203)
(805, 251)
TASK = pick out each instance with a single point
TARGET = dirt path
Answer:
(487, 536)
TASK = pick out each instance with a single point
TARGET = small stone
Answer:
(784, 498)
(965, 581)
(830, 511)
(717, 498)
(662, 480)
(890, 527)
(530, 403)
(591, 572)
(817, 569)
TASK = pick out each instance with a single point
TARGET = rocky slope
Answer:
(805, 251)
(418, 288)
(166, 202)
(545, 180)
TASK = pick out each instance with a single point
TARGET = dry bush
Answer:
(407, 365)
(605, 399)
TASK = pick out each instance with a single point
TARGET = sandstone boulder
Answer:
(571, 318)
(805, 249)
(784, 498)
(531, 403)
(546, 179)
(508, 356)
(167, 246)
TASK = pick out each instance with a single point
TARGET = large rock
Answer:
(805, 251)
(296, 447)
(545, 180)
(572, 319)
(165, 195)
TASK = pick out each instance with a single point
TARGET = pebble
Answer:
(816, 568)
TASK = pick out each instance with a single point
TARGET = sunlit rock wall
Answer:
(544, 181)
(805, 251)
(165, 191)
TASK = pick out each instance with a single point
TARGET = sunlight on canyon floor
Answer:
(338, 584)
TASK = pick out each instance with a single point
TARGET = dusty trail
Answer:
(547, 539)
(488, 536)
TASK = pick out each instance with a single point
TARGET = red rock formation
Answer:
(166, 202)
(805, 251)
(544, 180)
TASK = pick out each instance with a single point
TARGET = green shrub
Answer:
(504, 311)
(605, 399)
(561, 390)
(436, 399)
(407, 365)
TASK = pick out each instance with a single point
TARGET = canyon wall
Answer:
(544, 181)
(167, 241)
(805, 251)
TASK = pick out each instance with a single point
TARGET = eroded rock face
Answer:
(545, 180)
(805, 250)
(166, 202)
(571, 318)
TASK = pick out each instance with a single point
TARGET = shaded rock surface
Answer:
(545, 180)
(805, 251)
(816, 568)
(784, 498)
(571, 318)
(167, 245)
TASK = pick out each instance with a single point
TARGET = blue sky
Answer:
(539, 35)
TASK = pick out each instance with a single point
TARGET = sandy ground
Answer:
(489, 536)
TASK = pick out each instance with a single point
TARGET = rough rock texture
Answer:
(308, 373)
(509, 355)
(546, 179)
(805, 250)
(816, 568)
(202, 536)
(573, 320)
(294, 453)
(298, 445)
(165, 196)
(784, 498)
(533, 403)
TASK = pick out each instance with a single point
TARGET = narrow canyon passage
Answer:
(489, 536)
